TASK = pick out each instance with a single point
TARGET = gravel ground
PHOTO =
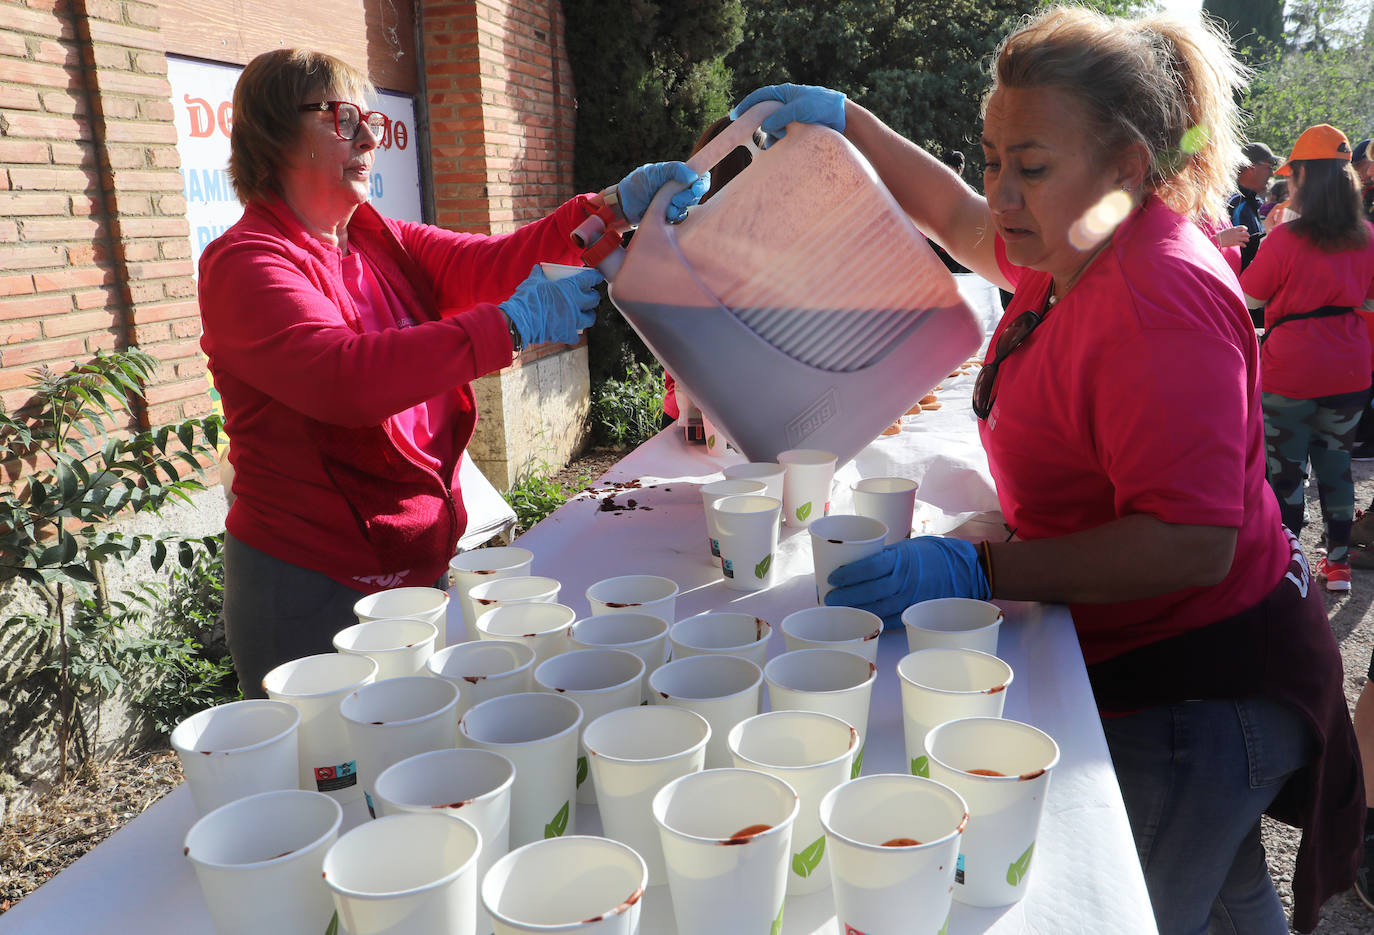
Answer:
(37, 844)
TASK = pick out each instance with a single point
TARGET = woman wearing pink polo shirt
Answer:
(1310, 275)
(1120, 409)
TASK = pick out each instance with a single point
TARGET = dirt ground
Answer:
(36, 844)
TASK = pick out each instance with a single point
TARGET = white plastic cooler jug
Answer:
(800, 306)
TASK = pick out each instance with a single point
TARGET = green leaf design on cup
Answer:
(921, 766)
(333, 928)
(944, 929)
(555, 828)
(805, 863)
(804, 510)
(776, 928)
(761, 569)
(581, 771)
(858, 764)
(711, 442)
(1017, 871)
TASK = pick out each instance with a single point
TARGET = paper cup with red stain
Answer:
(847, 628)
(600, 681)
(400, 647)
(314, 686)
(427, 604)
(953, 623)
(472, 784)
(831, 681)
(747, 527)
(1002, 769)
(645, 635)
(806, 485)
(634, 594)
(474, 567)
(893, 842)
(727, 841)
(714, 491)
(722, 689)
(406, 873)
(729, 634)
(575, 884)
(517, 589)
(769, 473)
(538, 732)
(258, 862)
(813, 753)
(839, 540)
(238, 749)
(633, 753)
(941, 685)
(540, 626)
(484, 669)
(393, 720)
(890, 500)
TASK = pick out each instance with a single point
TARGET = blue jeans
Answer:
(1196, 776)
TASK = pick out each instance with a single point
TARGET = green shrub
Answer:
(627, 412)
(539, 493)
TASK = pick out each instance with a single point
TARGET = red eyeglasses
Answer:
(349, 119)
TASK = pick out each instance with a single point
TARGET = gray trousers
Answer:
(275, 612)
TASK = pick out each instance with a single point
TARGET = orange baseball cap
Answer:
(1320, 142)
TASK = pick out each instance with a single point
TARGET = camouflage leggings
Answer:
(1322, 430)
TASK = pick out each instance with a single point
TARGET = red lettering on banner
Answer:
(226, 117)
(202, 117)
(400, 134)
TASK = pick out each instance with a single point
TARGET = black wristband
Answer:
(517, 343)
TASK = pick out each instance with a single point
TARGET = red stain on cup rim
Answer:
(879, 632)
(995, 689)
(743, 835)
(453, 804)
(635, 897)
(474, 679)
(618, 605)
(760, 628)
(1027, 777)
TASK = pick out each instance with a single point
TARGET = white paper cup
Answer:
(540, 626)
(238, 749)
(806, 485)
(747, 529)
(883, 882)
(813, 753)
(847, 628)
(890, 500)
(393, 720)
(633, 753)
(471, 568)
(830, 681)
(556, 271)
(314, 686)
(600, 681)
(953, 623)
(839, 540)
(472, 784)
(941, 685)
(727, 838)
(517, 589)
(769, 473)
(996, 853)
(575, 884)
(400, 647)
(484, 669)
(717, 445)
(258, 862)
(723, 689)
(404, 874)
(642, 634)
(427, 604)
(730, 634)
(538, 732)
(634, 594)
(714, 491)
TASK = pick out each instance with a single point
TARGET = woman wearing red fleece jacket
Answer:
(342, 344)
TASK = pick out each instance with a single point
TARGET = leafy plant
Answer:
(81, 469)
(628, 411)
(539, 493)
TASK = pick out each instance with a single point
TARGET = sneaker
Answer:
(1363, 452)
(1337, 574)
(1364, 876)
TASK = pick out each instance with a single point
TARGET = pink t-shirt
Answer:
(1315, 356)
(418, 431)
(1139, 393)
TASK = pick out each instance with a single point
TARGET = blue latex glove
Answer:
(639, 187)
(801, 103)
(912, 570)
(547, 310)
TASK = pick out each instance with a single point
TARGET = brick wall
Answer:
(93, 239)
